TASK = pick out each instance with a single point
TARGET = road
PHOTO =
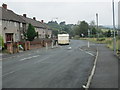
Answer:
(52, 68)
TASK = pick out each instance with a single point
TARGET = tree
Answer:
(63, 32)
(92, 28)
(62, 27)
(31, 34)
(92, 23)
(94, 31)
(109, 33)
(82, 28)
(62, 23)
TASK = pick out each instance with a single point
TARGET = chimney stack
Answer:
(24, 15)
(42, 21)
(34, 18)
(4, 6)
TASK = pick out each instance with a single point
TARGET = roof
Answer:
(35, 23)
(63, 34)
(10, 15)
(46, 26)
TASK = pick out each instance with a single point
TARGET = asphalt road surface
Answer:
(60, 67)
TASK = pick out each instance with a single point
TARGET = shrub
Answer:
(31, 34)
(101, 39)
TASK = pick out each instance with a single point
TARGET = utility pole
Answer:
(88, 37)
(97, 25)
(114, 38)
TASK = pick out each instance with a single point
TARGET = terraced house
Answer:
(39, 27)
(14, 26)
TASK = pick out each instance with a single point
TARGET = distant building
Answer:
(48, 30)
(43, 30)
(39, 27)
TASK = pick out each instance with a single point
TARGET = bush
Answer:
(31, 34)
(100, 39)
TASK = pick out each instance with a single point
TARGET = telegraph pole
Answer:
(88, 37)
(114, 37)
(97, 25)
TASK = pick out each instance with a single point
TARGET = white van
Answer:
(63, 39)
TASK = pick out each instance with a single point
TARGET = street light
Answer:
(88, 37)
(114, 38)
(97, 25)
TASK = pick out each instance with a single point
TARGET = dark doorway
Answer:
(9, 37)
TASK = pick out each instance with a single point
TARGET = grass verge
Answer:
(107, 41)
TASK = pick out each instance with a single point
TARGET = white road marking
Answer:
(90, 53)
(87, 52)
(8, 73)
(29, 58)
(41, 60)
(81, 49)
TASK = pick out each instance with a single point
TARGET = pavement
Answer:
(61, 67)
(106, 74)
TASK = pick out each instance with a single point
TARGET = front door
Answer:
(9, 37)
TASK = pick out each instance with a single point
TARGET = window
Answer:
(15, 24)
(21, 25)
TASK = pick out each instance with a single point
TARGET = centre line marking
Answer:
(29, 58)
(8, 73)
(42, 59)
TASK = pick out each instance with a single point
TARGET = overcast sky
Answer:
(70, 11)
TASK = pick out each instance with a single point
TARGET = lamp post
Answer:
(114, 37)
(88, 37)
(97, 25)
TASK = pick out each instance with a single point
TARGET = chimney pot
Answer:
(24, 15)
(4, 6)
(34, 18)
(42, 21)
